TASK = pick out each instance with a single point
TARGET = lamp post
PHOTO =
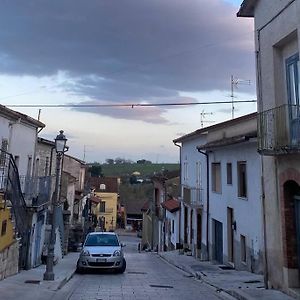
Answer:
(60, 147)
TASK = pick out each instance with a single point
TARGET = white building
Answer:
(193, 233)
(18, 133)
(235, 207)
(277, 27)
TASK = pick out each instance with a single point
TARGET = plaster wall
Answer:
(247, 212)
(275, 42)
(191, 156)
(174, 237)
(21, 141)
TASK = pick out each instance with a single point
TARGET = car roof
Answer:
(102, 232)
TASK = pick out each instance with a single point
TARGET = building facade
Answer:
(235, 198)
(277, 25)
(193, 219)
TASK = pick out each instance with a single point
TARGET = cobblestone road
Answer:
(146, 277)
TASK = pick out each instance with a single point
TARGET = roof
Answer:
(111, 184)
(172, 205)
(46, 142)
(166, 175)
(228, 141)
(247, 8)
(134, 205)
(17, 115)
(224, 124)
(145, 206)
(95, 199)
(75, 158)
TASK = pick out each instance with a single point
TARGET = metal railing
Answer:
(279, 130)
(193, 196)
(11, 188)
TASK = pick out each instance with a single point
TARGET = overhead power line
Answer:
(132, 105)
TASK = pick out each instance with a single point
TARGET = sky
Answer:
(125, 52)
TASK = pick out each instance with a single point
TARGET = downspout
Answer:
(180, 184)
(260, 109)
(207, 200)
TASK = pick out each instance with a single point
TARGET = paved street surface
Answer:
(147, 277)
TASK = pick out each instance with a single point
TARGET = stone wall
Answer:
(9, 259)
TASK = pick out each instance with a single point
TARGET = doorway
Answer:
(218, 241)
(230, 234)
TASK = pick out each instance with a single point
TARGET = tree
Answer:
(109, 161)
(96, 170)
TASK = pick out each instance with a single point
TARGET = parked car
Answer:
(102, 250)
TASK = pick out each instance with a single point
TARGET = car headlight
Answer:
(85, 252)
(117, 253)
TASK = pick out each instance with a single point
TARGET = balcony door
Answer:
(293, 92)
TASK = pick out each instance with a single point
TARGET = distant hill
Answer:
(143, 169)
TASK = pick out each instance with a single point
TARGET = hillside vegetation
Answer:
(128, 169)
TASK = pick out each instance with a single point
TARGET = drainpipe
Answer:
(180, 183)
(260, 109)
(207, 200)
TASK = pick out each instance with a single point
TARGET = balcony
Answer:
(279, 130)
(193, 196)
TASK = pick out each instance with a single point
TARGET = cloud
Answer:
(131, 50)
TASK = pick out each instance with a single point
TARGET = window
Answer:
(242, 178)
(216, 177)
(3, 227)
(198, 175)
(173, 226)
(4, 147)
(29, 165)
(293, 93)
(243, 249)
(102, 187)
(102, 206)
(292, 75)
(185, 170)
(47, 166)
(229, 173)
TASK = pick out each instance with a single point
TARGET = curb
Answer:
(196, 275)
(65, 280)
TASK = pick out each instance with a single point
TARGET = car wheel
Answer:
(79, 270)
(123, 268)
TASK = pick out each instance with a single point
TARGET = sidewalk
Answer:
(241, 285)
(30, 285)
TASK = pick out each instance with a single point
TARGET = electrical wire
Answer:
(132, 105)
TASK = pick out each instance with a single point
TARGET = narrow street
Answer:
(147, 277)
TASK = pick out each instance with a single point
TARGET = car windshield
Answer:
(102, 240)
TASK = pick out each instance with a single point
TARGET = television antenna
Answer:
(234, 82)
(202, 117)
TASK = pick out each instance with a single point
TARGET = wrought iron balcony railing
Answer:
(193, 196)
(279, 130)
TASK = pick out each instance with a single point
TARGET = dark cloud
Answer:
(127, 50)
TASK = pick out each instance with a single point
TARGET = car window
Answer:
(102, 240)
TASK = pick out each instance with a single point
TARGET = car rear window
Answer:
(102, 240)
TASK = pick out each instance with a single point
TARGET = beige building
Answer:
(107, 190)
(277, 25)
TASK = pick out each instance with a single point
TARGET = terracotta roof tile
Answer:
(171, 205)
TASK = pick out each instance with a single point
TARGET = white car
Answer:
(102, 250)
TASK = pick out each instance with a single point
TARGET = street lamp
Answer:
(60, 147)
